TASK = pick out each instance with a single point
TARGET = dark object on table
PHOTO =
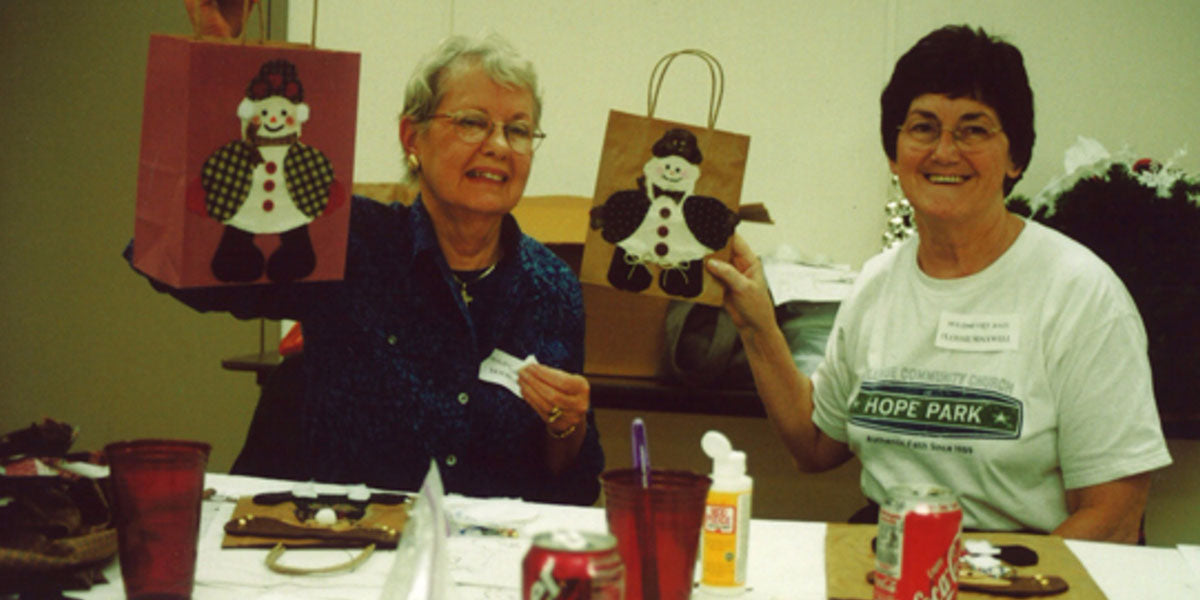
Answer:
(48, 438)
(255, 525)
(55, 529)
(1018, 587)
(1017, 555)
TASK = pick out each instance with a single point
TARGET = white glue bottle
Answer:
(726, 534)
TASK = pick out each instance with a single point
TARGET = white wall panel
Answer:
(802, 79)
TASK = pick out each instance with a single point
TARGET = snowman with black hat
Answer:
(663, 223)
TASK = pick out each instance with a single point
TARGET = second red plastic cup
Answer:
(657, 529)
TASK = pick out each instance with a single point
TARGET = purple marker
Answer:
(641, 452)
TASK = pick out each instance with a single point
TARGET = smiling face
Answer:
(944, 182)
(485, 176)
(272, 117)
(672, 173)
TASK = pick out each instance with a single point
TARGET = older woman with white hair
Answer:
(393, 353)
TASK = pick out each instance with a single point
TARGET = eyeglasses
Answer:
(474, 126)
(927, 132)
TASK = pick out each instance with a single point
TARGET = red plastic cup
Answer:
(657, 529)
(156, 488)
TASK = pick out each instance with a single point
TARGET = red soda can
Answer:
(575, 565)
(918, 545)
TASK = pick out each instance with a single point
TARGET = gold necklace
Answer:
(462, 285)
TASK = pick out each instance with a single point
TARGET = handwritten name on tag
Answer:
(501, 369)
(977, 333)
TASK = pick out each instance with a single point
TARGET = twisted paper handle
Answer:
(716, 91)
(262, 26)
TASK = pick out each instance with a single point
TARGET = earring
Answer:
(900, 216)
(414, 164)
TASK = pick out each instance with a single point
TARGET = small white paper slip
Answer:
(977, 333)
(501, 369)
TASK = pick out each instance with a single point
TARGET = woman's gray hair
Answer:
(498, 58)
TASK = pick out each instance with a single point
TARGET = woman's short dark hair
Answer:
(961, 62)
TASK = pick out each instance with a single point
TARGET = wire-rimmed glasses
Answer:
(927, 131)
(474, 126)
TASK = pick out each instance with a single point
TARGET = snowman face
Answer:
(672, 173)
(273, 117)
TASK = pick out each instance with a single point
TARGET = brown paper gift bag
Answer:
(667, 197)
(246, 162)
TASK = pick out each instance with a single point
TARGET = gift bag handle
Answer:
(262, 27)
(716, 73)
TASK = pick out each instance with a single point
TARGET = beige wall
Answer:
(83, 339)
(802, 79)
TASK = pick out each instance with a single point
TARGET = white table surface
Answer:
(786, 560)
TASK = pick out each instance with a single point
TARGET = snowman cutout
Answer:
(663, 222)
(267, 182)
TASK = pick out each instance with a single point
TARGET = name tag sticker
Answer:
(501, 369)
(977, 333)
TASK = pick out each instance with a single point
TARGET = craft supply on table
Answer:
(302, 517)
(1058, 573)
(725, 539)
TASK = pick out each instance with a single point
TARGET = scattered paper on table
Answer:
(487, 561)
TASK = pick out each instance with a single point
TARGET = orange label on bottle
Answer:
(721, 549)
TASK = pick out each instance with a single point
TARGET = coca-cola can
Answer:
(918, 544)
(575, 565)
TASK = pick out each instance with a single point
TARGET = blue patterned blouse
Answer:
(392, 353)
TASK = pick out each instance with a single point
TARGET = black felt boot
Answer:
(686, 283)
(294, 259)
(625, 276)
(237, 259)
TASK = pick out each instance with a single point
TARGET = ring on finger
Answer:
(559, 435)
(555, 414)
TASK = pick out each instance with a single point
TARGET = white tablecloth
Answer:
(786, 560)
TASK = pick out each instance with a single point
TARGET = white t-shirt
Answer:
(1008, 386)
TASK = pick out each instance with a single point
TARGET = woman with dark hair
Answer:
(987, 354)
